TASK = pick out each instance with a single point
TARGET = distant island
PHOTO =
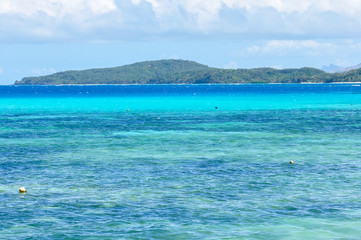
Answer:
(189, 72)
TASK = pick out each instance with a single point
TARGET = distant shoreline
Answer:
(188, 72)
(179, 84)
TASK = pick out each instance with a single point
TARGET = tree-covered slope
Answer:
(135, 73)
(189, 72)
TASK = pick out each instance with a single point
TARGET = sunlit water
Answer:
(185, 162)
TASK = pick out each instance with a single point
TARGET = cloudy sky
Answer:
(39, 37)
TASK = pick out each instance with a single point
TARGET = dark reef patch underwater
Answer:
(176, 167)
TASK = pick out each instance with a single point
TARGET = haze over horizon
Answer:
(43, 37)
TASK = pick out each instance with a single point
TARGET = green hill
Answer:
(187, 72)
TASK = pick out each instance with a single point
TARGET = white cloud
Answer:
(37, 20)
(231, 65)
(209, 11)
(42, 71)
(277, 66)
(262, 19)
(283, 47)
(287, 47)
(203, 10)
(108, 20)
(298, 53)
(57, 8)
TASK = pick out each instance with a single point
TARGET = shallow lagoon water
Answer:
(175, 167)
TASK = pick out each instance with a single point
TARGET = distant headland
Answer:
(189, 72)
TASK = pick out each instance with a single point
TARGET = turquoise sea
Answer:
(181, 162)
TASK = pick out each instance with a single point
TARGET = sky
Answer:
(41, 37)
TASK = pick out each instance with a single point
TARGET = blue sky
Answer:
(39, 37)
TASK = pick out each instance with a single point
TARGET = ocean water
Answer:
(181, 162)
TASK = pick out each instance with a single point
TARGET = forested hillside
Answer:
(188, 72)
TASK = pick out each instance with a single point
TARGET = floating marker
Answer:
(291, 162)
(22, 190)
(127, 110)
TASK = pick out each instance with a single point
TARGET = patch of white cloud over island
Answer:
(42, 71)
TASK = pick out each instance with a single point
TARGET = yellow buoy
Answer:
(22, 190)
(291, 162)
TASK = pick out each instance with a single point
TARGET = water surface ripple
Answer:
(175, 167)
